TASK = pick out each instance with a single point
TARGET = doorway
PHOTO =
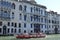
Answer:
(4, 30)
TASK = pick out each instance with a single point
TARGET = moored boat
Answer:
(35, 35)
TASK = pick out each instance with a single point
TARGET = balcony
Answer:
(5, 4)
(4, 16)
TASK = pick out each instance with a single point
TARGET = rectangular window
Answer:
(25, 16)
(45, 13)
(12, 15)
(0, 23)
(31, 31)
(31, 18)
(24, 25)
(52, 21)
(49, 26)
(5, 11)
(41, 26)
(15, 25)
(0, 30)
(19, 24)
(37, 9)
(45, 20)
(41, 19)
(20, 16)
(52, 26)
(49, 21)
(15, 30)
(31, 25)
(41, 12)
(19, 30)
(8, 30)
(31, 9)
(45, 26)
(24, 31)
(8, 23)
(25, 7)
(12, 30)
(12, 24)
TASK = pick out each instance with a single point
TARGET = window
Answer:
(12, 24)
(41, 26)
(15, 30)
(12, 15)
(41, 12)
(55, 22)
(25, 17)
(31, 18)
(36, 9)
(41, 19)
(49, 26)
(0, 30)
(8, 30)
(20, 16)
(31, 25)
(52, 26)
(35, 18)
(24, 31)
(49, 21)
(5, 11)
(12, 30)
(31, 9)
(45, 26)
(45, 31)
(52, 21)
(20, 7)
(42, 31)
(19, 30)
(45, 20)
(15, 24)
(58, 26)
(45, 13)
(31, 31)
(0, 23)
(19, 24)
(8, 23)
(25, 8)
(13, 5)
(24, 25)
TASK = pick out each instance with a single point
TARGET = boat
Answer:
(23, 36)
(34, 35)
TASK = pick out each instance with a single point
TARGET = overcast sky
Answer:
(50, 4)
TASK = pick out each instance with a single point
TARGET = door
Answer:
(4, 30)
(56, 30)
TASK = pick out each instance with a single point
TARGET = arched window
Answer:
(20, 7)
(13, 5)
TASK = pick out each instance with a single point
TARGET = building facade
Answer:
(53, 22)
(26, 16)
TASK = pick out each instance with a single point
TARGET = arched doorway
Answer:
(4, 30)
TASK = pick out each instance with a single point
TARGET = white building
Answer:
(23, 16)
(53, 22)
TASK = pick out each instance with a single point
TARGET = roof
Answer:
(35, 4)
